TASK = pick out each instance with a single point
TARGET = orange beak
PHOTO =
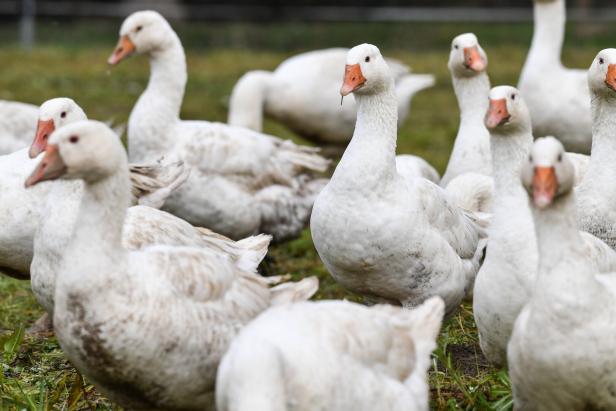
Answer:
(545, 185)
(43, 131)
(473, 59)
(124, 49)
(51, 167)
(353, 79)
(497, 114)
(610, 77)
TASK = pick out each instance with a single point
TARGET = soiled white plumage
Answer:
(17, 125)
(557, 97)
(181, 305)
(383, 236)
(331, 355)
(302, 94)
(508, 273)
(231, 167)
(561, 352)
(596, 195)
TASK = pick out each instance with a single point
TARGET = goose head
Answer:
(142, 32)
(53, 114)
(602, 74)
(87, 150)
(366, 71)
(548, 173)
(467, 58)
(507, 111)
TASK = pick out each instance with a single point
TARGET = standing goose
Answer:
(471, 151)
(17, 125)
(241, 182)
(380, 235)
(181, 305)
(507, 275)
(561, 353)
(596, 195)
(375, 358)
(557, 97)
(309, 106)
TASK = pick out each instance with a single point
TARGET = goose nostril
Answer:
(120, 49)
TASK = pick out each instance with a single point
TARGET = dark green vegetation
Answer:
(70, 61)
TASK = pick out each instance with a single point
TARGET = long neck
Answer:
(96, 243)
(565, 273)
(159, 105)
(372, 150)
(247, 100)
(472, 94)
(509, 151)
(549, 33)
(602, 167)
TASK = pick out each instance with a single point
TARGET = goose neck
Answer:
(509, 151)
(372, 150)
(472, 95)
(549, 33)
(604, 137)
(168, 75)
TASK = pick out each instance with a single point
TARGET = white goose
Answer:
(17, 125)
(557, 97)
(241, 182)
(379, 235)
(596, 195)
(143, 226)
(506, 277)
(301, 93)
(180, 305)
(375, 359)
(471, 151)
(561, 353)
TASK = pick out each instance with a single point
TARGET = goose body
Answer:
(242, 182)
(380, 235)
(558, 97)
(596, 196)
(17, 125)
(375, 358)
(181, 305)
(506, 277)
(558, 359)
(301, 93)
(471, 151)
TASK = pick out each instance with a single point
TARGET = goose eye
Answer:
(138, 29)
(560, 157)
(63, 114)
(530, 158)
(513, 97)
(601, 61)
(367, 59)
(455, 46)
(73, 139)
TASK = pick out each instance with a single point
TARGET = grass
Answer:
(70, 61)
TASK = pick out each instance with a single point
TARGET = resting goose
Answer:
(471, 151)
(557, 97)
(143, 226)
(181, 305)
(506, 276)
(561, 353)
(380, 235)
(375, 358)
(17, 124)
(596, 195)
(241, 182)
(309, 106)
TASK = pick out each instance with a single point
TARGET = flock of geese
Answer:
(162, 314)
